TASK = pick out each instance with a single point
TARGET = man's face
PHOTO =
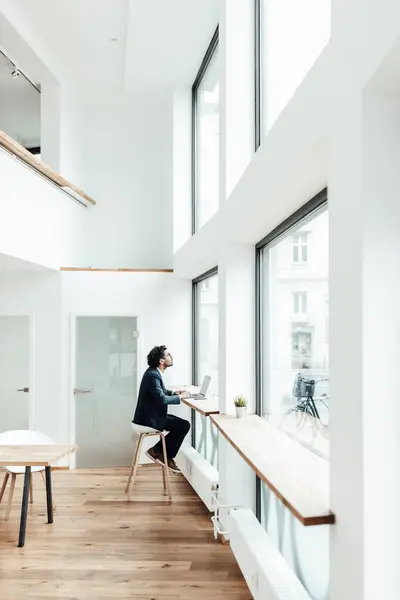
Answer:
(167, 361)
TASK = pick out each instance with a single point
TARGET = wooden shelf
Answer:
(204, 407)
(297, 476)
(40, 167)
(207, 407)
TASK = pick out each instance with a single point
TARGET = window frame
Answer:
(208, 56)
(195, 311)
(257, 76)
(316, 203)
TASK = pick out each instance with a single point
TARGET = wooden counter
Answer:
(297, 476)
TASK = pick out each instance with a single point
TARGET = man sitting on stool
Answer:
(152, 407)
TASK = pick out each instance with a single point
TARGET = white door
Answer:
(105, 390)
(14, 372)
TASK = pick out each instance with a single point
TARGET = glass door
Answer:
(105, 390)
(14, 372)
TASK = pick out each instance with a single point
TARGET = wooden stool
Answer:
(144, 432)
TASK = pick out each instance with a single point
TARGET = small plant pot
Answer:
(241, 411)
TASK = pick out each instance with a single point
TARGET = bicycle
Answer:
(306, 417)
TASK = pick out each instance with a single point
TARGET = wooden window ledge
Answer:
(207, 407)
(299, 478)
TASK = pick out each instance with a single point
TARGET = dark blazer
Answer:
(153, 401)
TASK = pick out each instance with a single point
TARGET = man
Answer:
(152, 407)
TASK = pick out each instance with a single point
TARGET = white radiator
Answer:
(267, 573)
(201, 475)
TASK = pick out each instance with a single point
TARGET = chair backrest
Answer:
(23, 437)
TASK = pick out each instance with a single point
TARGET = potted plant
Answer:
(241, 407)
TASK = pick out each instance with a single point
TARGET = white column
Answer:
(365, 352)
(182, 167)
(236, 325)
(236, 364)
(236, 47)
(381, 342)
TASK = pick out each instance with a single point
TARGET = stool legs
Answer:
(135, 466)
(165, 466)
(10, 495)
(134, 460)
(3, 487)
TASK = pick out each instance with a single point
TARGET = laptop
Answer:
(202, 395)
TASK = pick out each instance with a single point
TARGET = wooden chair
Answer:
(21, 437)
(143, 432)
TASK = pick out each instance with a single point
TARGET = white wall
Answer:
(39, 296)
(121, 153)
(161, 301)
(118, 149)
(38, 222)
(319, 136)
(341, 126)
(288, 169)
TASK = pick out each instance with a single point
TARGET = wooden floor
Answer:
(101, 547)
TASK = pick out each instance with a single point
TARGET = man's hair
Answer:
(155, 355)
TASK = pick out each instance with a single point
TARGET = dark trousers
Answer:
(177, 430)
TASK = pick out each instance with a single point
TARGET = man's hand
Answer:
(183, 395)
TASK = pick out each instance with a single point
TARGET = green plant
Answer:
(240, 402)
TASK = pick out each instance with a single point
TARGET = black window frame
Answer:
(210, 52)
(257, 75)
(195, 307)
(316, 203)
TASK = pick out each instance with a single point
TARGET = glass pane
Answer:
(20, 105)
(14, 372)
(106, 367)
(207, 332)
(293, 34)
(206, 439)
(298, 544)
(295, 337)
(207, 144)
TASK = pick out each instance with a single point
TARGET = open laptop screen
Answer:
(205, 385)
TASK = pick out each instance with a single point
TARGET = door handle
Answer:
(24, 389)
(78, 391)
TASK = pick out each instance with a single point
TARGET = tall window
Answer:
(205, 143)
(205, 290)
(294, 327)
(291, 34)
(205, 354)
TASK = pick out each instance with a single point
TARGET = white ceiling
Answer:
(19, 106)
(167, 41)
(159, 43)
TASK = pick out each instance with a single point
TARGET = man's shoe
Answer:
(172, 466)
(153, 455)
